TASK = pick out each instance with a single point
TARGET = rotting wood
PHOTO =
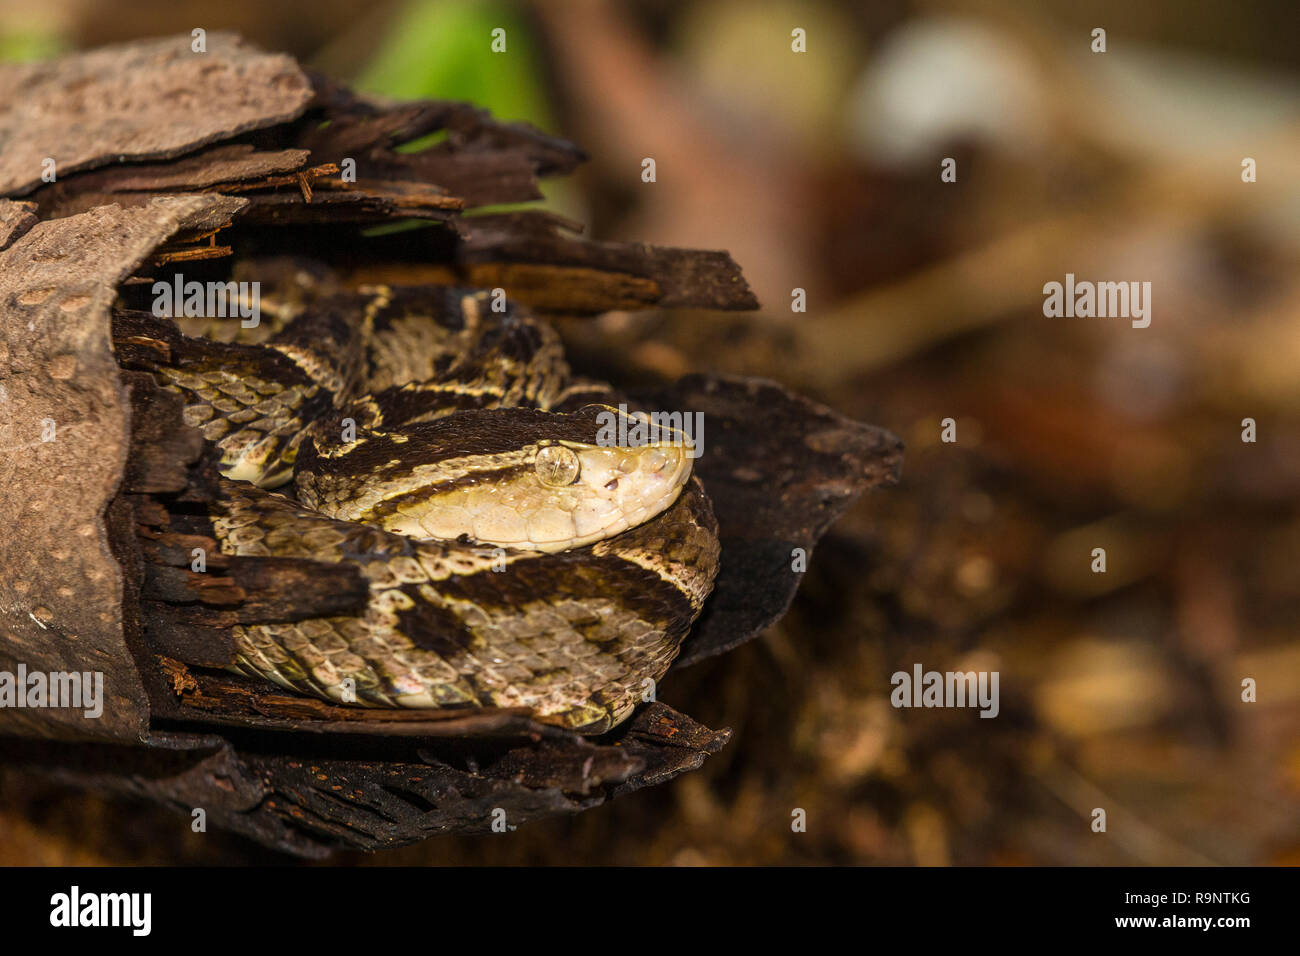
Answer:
(300, 774)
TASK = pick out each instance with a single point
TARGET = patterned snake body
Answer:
(513, 557)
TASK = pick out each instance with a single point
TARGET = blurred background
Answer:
(820, 171)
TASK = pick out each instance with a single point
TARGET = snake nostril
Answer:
(612, 484)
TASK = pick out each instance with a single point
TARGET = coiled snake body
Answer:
(514, 556)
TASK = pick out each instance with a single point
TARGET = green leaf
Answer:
(442, 49)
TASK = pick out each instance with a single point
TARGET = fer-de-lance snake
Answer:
(515, 558)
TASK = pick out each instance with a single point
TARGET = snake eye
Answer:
(557, 466)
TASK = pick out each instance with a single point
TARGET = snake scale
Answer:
(514, 558)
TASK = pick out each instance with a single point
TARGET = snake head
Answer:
(575, 485)
(580, 491)
(515, 478)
